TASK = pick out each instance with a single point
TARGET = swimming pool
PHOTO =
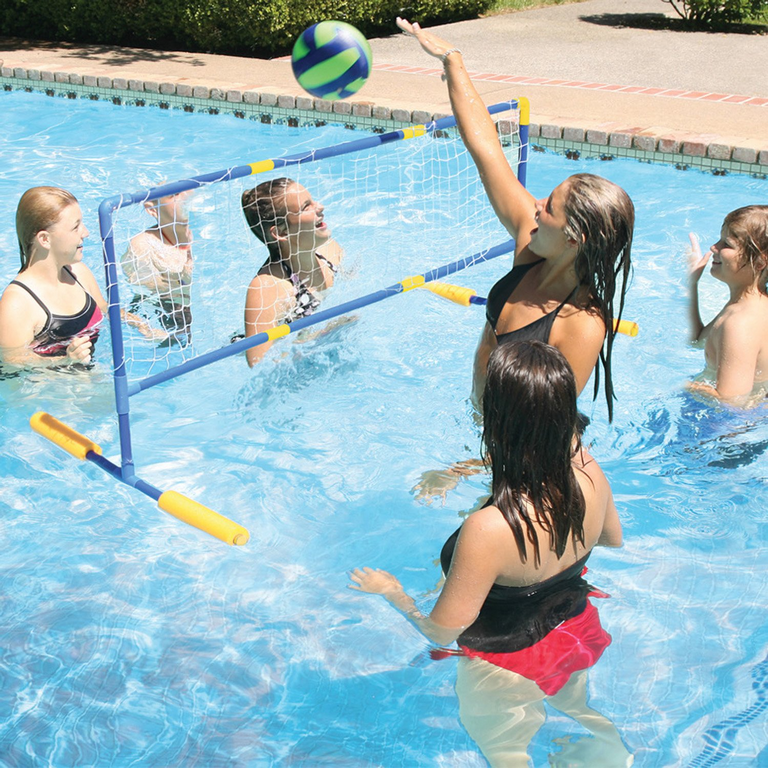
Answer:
(131, 639)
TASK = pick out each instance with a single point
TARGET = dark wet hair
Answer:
(39, 209)
(600, 216)
(748, 226)
(529, 439)
(264, 206)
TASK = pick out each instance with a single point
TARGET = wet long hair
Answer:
(748, 226)
(38, 210)
(264, 207)
(529, 439)
(600, 216)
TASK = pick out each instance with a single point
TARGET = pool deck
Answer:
(591, 72)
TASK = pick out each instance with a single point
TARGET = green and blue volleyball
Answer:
(331, 60)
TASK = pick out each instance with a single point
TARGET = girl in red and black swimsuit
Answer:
(53, 308)
(514, 597)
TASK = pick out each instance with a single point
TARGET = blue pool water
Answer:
(131, 639)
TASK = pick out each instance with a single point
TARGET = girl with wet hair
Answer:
(572, 258)
(302, 261)
(736, 341)
(514, 595)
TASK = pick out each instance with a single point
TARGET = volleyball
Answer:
(331, 60)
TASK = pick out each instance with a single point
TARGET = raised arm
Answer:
(513, 204)
(696, 265)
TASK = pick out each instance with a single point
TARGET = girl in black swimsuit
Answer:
(53, 309)
(303, 258)
(514, 596)
(572, 248)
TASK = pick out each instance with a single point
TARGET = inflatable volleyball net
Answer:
(176, 302)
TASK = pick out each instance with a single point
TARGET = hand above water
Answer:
(432, 44)
(374, 581)
(696, 262)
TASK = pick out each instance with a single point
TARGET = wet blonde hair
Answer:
(39, 209)
(748, 226)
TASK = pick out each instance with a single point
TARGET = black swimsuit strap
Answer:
(73, 276)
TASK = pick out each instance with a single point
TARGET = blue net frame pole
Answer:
(107, 209)
(319, 317)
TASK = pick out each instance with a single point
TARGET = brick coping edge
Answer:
(643, 140)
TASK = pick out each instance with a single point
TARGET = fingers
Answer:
(80, 349)
(695, 247)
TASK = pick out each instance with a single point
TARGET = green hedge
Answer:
(237, 27)
(718, 13)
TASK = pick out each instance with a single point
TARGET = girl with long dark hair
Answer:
(514, 568)
(572, 257)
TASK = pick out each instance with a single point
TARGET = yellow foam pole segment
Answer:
(414, 131)
(278, 332)
(626, 327)
(262, 166)
(199, 516)
(525, 110)
(416, 281)
(455, 293)
(65, 437)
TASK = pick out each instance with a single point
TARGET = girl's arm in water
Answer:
(473, 571)
(513, 204)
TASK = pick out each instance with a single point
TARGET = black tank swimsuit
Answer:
(513, 618)
(544, 632)
(59, 330)
(538, 330)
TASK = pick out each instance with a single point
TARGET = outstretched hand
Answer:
(375, 582)
(696, 261)
(432, 44)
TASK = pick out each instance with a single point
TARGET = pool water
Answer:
(131, 639)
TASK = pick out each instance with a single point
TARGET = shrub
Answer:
(237, 27)
(717, 13)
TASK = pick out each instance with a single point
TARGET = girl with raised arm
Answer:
(572, 247)
(736, 341)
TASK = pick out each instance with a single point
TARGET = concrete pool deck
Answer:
(592, 73)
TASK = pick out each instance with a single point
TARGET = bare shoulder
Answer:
(267, 291)
(14, 298)
(740, 326)
(266, 283)
(585, 324)
(20, 317)
(587, 469)
(331, 251)
(488, 528)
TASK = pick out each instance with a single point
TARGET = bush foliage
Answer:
(718, 13)
(237, 27)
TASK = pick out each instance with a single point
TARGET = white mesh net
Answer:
(184, 263)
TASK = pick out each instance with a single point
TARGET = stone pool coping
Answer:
(285, 103)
